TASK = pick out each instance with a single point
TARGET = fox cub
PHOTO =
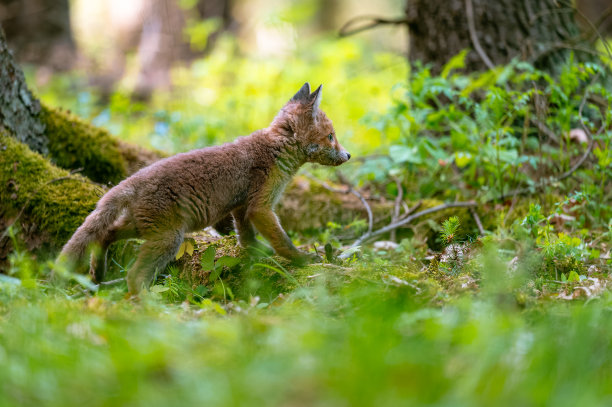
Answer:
(193, 190)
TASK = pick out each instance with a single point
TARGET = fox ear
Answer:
(315, 98)
(303, 95)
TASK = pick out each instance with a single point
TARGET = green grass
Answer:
(349, 336)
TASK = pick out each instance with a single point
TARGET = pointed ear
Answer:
(315, 98)
(303, 95)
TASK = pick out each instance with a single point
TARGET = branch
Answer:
(374, 21)
(398, 202)
(351, 190)
(469, 10)
(478, 221)
(544, 129)
(369, 235)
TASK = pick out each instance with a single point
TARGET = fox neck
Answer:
(289, 155)
(290, 158)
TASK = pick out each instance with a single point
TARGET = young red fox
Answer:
(193, 190)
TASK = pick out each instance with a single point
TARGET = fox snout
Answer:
(344, 156)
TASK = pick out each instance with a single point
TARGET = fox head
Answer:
(312, 128)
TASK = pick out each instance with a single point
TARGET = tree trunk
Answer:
(39, 31)
(539, 31)
(19, 110)
(37, 146)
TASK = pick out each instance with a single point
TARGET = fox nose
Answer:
(348, 155)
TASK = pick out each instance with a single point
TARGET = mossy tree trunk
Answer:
(38, 147)
(543, 32)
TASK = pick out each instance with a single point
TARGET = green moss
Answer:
(52, 202)
(306, 205)
(75, 144)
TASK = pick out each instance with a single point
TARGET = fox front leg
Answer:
(246, 234)
(266, 222)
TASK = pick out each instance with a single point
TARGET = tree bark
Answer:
(39, 31)
(543, 32)
(38, 145)
(19, 109)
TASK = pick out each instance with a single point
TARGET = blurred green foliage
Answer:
(226, 95)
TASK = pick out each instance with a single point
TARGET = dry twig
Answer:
(477, 220)
(373, 22)
(469, 10)
(370, 235)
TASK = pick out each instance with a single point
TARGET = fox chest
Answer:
(273, 188)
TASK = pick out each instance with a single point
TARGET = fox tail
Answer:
(96, 225)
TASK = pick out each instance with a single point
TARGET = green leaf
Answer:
(402, 154)
(462, 159)
(159, 289)
(456, 62)
(208, 258)
(227, 261)
(573, 277)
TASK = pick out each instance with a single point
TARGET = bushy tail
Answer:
(96, 225)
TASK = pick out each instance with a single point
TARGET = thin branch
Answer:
(374, 21)
(411, 210)
(398, 203)
(370, 235)
(544, 129)
(349, 190)
(112, 282)
(477, 220)
(469, 10)
(353, 191)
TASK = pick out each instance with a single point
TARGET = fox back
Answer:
(193, 190)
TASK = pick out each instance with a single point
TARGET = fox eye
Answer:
(330, 137)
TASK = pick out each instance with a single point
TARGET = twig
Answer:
(112, 282)
(477, 220)
(411, 210)
(544, 129)
(353, 191)
(369, 235)
(396, 209)
(469, 10)
(349, 190)
(374, 22)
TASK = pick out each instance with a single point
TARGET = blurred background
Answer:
(182, 74)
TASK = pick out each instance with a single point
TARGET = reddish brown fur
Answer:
(193, 190)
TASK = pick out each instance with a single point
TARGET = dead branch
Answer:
(478, 221)
(398, 203)
(544, 129)
(349, 190)
(370, 235)
(353, 191)
(469, 10)
(374, 21)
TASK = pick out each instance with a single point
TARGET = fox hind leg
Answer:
(153, 257)
(123, 228)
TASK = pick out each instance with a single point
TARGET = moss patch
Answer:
(73, 144)
(307, 205)
(52, 202)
